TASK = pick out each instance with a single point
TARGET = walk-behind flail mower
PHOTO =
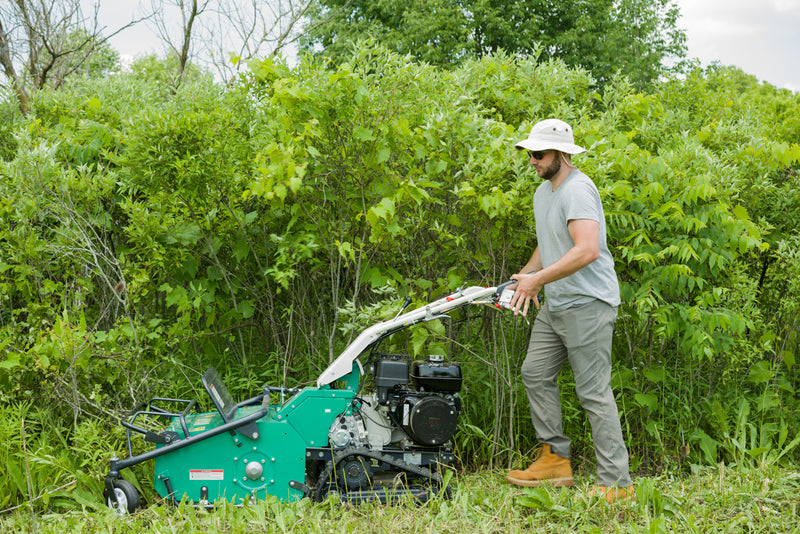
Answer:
(365, 440)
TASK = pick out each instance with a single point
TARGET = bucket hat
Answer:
(551, 134)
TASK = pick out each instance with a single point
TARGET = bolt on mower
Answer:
(382, 442)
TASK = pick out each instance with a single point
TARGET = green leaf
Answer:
(656, 169)
(708, 445)
(363, 134)
(384, 210)
(788, 358)
(241, 249)
(190, 266)
(655, 374)
(187, 234)
(647, 400)
(741, 213)
(12, 360)
(537, 498)
(375, 278)
(246, 308)
(760, 372)
(177, 296)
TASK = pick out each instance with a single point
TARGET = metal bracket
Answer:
(163, 438)
(299, 486)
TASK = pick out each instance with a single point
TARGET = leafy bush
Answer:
(148, 234)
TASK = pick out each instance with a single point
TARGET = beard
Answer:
(549, 172)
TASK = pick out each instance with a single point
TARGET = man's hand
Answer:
(527, 291)
(586, 237)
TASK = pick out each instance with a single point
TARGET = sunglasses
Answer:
(537, 154)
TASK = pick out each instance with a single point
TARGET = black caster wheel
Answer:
(125, 499)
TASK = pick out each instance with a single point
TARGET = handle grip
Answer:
(503, 286)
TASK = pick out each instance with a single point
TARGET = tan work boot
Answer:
(613, 494)
(550, 468)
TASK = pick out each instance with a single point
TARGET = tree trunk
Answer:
(11, 73)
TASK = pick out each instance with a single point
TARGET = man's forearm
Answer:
(534, 264)
(573, 261)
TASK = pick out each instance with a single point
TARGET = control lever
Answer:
(406, 304)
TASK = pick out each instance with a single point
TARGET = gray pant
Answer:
(582, 335)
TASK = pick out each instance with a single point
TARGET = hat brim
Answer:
(529, 144)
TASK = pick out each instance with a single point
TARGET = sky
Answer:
(761, 37)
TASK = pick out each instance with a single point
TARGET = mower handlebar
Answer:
(503, 286)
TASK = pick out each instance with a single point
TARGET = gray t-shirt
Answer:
(576, 198)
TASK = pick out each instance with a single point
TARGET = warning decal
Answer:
(206, 474)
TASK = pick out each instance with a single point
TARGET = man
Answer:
(576, 321)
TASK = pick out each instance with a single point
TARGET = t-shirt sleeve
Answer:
(584, 202)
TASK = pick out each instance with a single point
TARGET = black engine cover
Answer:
(391, 371)
(434, 376)
(430, 420)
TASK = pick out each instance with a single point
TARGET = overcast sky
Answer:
(761, 37)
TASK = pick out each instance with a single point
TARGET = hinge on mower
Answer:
(165, 438)
(299, 486)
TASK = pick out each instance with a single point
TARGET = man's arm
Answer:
(534, 264)
(586, 238)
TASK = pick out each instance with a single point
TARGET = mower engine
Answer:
(420, 404)
(407, 421)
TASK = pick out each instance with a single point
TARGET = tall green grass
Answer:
(717, 499)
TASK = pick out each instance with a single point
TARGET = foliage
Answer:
(147, 233)
(719, 499)
(639, 39)
(9, 120)
(164, 71)
(42, 44)
(47, 467)
(101, 60)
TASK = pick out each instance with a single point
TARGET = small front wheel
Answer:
(125, 499)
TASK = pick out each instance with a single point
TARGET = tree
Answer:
(434, 31)
(163, 71)
(180, 47)
(10, 70)
(635, 37)
(647, 37)
(42, 42)
(226, 34)
(144, 236)
(246, 29)
(101, 62)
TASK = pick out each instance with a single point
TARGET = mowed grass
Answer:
(721, 499)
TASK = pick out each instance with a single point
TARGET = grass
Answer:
(721, 499)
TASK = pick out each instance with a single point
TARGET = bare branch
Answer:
(45, 41)
(245, 29)
(183, 45)
(94, 41)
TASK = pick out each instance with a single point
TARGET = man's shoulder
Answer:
(577, 177)
(578, 181)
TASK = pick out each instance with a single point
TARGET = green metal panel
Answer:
(313, 412)
(238, 468)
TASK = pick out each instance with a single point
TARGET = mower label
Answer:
(412, 458)
(203, 419)
(206, 474)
